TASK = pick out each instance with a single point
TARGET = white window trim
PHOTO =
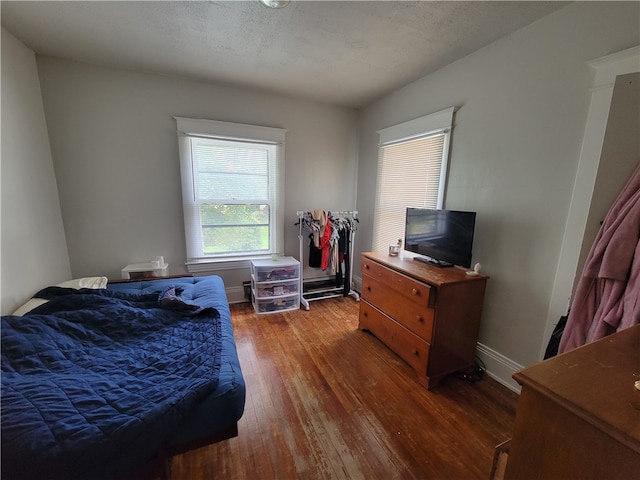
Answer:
(229, 131)
(427, 125)
(190, 127)
(418, 127)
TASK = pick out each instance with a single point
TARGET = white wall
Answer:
(114, 147)
(523, 103)
(34, 252)
(620, 154)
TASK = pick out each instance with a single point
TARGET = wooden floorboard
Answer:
(328, 401)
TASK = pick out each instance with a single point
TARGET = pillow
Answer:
(86, 282)
(30, 305)
(77, 283)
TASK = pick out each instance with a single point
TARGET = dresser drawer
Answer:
(411, 289)
(408, 346)
(416, 316)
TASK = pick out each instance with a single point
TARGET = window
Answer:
(232, 189)
(412, 169)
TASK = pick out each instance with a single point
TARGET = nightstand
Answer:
(138, 271)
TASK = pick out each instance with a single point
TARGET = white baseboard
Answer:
(499, 367)
(356, 283)
(235, 294)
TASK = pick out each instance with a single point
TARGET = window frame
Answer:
(438, 123)
(190, 128)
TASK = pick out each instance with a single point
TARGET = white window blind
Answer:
(412, 165)
(232, 189)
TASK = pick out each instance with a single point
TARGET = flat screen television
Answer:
(441, 237)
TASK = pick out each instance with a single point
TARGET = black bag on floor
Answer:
(554, 341)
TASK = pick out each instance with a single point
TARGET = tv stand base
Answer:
(432, 261)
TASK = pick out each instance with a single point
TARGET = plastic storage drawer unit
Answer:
(275, 285)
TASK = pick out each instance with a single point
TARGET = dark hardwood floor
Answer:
(328, 401)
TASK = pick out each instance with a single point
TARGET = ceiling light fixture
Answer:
(275, 3)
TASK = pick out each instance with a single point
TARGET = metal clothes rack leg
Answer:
(328, 292)
(303, 301)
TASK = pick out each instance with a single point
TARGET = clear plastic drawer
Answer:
(270, 271)
(277, 289)
(279, 304)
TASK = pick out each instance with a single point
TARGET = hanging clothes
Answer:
(345, 235)
(315, 254)
(339, 231)
(607, 298)
(320, 218)
(322, 236)
(325, 246)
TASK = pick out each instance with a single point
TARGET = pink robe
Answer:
(608, 295)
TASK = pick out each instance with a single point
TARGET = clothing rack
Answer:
(319, 289)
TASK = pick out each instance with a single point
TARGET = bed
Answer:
(98, 382)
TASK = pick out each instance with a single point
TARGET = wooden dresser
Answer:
(429, 316)
(578, 415)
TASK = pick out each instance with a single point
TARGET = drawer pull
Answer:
(415, 291)
(415, 351)
(368, 288)
(365, 314)
(366, 266)
(419, 319)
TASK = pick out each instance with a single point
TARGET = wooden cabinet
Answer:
(578, 414)
(429, 316)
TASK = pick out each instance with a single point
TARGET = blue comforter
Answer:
(94, 380)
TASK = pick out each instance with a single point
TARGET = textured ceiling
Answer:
(346, 53)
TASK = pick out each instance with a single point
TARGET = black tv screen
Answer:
(441, 237)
